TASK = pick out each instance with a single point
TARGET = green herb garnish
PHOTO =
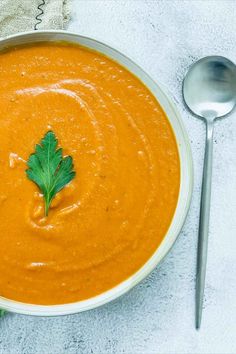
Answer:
(49, 169)
(2, 312)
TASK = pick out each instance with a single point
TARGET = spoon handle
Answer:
(204, 222)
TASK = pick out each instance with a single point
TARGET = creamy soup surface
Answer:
(108, 221)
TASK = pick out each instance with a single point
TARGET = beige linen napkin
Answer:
(26, 15)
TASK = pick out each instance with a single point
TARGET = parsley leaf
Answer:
(49, 169)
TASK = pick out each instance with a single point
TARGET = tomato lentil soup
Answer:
(110, 219)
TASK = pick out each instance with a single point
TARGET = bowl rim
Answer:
(186, 172)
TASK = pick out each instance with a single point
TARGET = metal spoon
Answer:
(209, 91)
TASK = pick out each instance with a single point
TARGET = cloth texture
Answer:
(27, 15)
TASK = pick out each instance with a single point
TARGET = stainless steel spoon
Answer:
(209, 91)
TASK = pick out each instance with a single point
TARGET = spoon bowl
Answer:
(210, 87)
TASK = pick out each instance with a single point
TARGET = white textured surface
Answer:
(164, 37)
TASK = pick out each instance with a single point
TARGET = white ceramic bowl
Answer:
(185, 184)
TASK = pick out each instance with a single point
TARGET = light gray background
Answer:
(164, 37)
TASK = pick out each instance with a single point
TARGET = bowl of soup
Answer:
(110, 226)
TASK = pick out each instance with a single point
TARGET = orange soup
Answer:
(110, 219)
